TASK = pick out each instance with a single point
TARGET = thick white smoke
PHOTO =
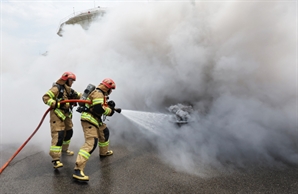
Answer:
(234, 63)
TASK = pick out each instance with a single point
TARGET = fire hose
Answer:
(41, 121)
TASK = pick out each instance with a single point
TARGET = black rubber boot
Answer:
(57, 164)
(79, 175)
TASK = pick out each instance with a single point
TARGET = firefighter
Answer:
(95, 131)
(61, 116)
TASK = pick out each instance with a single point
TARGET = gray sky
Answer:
(235, 63)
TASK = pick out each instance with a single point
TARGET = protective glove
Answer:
(111, 104)
(112, 112)
(73, 95)
(54, 105)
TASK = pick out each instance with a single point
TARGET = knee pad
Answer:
(106, 133)
(94, 145)
(68, 135)
(60, 138)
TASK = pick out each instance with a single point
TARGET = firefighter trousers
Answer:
(93, 136)
(61, 132)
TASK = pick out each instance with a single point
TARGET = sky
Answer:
(235, 63)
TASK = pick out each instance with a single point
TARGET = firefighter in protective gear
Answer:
(61, 116)
(95, 131)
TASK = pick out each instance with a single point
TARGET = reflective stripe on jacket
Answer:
(51, 96)
(85, 116)
(96, 97)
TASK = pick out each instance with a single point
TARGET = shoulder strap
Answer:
(61, 90)
(105, 97)
(100, 90)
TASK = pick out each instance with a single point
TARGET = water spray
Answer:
(153, 122)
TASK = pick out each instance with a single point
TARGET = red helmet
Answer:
(68, 75)
(109, 83)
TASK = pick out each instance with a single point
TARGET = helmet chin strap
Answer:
(109, 92)
(67, 82)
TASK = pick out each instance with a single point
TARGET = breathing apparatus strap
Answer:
(103, 116)
(100, 90)
(61, 90)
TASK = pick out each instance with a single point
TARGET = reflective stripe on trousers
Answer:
(103, 144)
(84, 154)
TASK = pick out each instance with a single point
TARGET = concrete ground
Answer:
(134, 171)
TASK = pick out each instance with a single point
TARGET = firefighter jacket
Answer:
(60, 91)
(97, 108)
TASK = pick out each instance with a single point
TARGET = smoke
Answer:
(234, 63)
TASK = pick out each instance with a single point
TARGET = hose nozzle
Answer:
(118, 110)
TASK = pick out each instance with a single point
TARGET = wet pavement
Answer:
(136, 170)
